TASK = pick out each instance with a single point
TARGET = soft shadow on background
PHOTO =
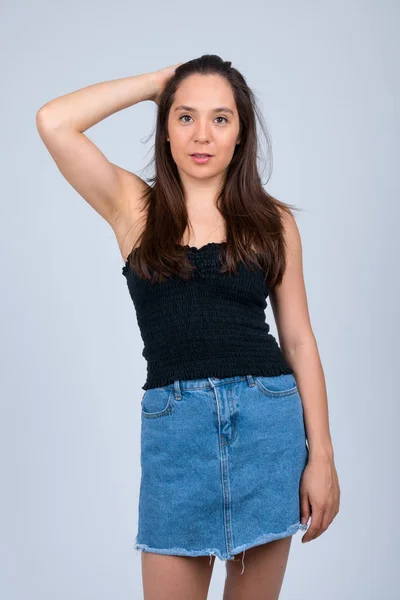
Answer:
(326, 77)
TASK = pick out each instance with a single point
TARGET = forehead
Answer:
(204, 92)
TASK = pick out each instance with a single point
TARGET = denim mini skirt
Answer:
(221, 463)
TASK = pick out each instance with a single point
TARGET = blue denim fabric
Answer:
(221, 464)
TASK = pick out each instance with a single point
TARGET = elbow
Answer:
(46, 119)
(43, 119)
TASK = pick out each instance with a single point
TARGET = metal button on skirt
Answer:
(221, 463)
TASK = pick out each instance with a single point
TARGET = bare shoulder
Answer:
(293, 244)
(132, 214)
(291, 231)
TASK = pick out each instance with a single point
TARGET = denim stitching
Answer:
(167, 410)
(279, 393)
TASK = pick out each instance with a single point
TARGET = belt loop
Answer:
(250, 380)
(177, 390)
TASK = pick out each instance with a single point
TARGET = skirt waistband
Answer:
(206, 383)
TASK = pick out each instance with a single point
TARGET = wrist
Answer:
(321, 452)
(154, 86)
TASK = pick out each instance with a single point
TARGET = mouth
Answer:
(201, 158)
(200, 154)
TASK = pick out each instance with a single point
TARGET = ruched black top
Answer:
(211, 325)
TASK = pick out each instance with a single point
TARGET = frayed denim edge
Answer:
(268, 537)
(179, 551)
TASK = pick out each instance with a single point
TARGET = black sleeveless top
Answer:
(211, 325)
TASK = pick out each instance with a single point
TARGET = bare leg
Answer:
(264, 568)
(167, 577)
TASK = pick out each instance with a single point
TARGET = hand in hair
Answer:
(161, 77)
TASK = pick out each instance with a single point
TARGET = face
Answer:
(203, 119)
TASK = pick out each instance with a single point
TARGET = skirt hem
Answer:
(268, 537)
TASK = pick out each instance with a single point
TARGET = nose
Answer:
(201, 134)
(201, 139)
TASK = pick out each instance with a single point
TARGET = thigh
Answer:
(262, 577)
(168, 577)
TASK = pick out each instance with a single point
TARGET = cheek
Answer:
(226, 141)
(180, 142)
(179, 150)
(226, 150)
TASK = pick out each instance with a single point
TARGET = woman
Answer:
(236, 452)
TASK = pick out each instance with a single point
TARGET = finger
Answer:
(305, 509)
(328, 515)
(326, 521)
(315, 525)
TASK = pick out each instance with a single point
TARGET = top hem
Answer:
(270, 370)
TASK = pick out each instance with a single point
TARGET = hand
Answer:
(161, 77)
(319, 495)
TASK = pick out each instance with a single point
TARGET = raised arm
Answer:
(113, 192)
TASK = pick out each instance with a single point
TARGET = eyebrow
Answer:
(215, 110)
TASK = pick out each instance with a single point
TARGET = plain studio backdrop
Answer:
(326, 78)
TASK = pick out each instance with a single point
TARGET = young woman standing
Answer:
(236, 452)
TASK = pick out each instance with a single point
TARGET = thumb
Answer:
(304, 508)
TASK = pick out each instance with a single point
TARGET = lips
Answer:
(200, 154)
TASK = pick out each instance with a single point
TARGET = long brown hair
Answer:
(251, 214)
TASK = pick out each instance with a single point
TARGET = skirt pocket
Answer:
(157, 402)
(277, 386)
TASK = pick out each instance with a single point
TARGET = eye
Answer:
(183, 116)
